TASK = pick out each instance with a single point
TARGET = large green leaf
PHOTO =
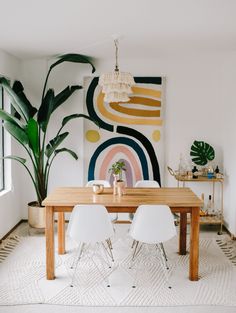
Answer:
(72, 153)
(18, 133)
(16, 158)
(33, 135)
(73, 57)
(64, 95)
(73, 116)
(46, 109)
(9, 118)
(54, 143)
(201, 152)
(19, 90)
(20, 106)
(70, 57)
(50, 103)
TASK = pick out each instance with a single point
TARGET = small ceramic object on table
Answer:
(98, 188)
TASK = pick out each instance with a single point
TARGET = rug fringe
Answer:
(7, 246)
(228, 246)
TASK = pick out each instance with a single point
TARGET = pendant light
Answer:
(116, 85)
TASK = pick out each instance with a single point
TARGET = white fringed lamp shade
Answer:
(116, 86)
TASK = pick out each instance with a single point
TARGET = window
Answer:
(1, 143)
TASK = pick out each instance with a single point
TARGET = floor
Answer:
(70, 309)
(206, 232)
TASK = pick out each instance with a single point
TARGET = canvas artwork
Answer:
(131, 132)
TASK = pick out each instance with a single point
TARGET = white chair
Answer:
(147, 184)
(91, 228)
(144, 184)
(105, 183)
(152, 225)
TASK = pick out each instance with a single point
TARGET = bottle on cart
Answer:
(182, 166)
(194, 171)
(210, 206)
(210, 172)
(217, 170)
(203, 208)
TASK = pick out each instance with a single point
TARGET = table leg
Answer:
(182, 233)
(61, 232)
(194, 245)
(49, 232)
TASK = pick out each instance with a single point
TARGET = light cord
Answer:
(116, 54)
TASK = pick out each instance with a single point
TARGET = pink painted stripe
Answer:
(107, 160)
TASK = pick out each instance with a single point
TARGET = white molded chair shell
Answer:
(153, 224)
(144, 184)
(105, 183)
(147, 184)
(90, 224)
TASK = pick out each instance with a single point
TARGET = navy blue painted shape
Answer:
(148, 146)
(148, 80)
(118, 140)
(90, 106)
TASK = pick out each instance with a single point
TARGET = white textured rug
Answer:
(22, 278)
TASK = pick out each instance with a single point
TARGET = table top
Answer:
(133, 197)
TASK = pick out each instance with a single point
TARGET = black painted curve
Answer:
(148, 80)
(148, 146)
(90, 106)
(122, 140)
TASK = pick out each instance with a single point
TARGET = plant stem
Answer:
(45, 84)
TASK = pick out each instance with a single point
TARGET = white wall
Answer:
(10, 210)
(226, 131)
(200, 104)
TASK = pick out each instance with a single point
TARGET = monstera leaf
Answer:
(201, 152)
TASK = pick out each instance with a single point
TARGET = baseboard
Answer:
(11, 230)
(14, 227)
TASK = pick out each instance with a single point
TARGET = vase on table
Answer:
(115, 187)
(120, 187)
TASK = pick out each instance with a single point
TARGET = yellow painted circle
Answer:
(92, 135)
(156, 135)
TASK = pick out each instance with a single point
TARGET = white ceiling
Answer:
(32, 29)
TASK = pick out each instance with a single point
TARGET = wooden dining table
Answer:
(180, 200)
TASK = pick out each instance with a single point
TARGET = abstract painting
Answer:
(131, 132)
